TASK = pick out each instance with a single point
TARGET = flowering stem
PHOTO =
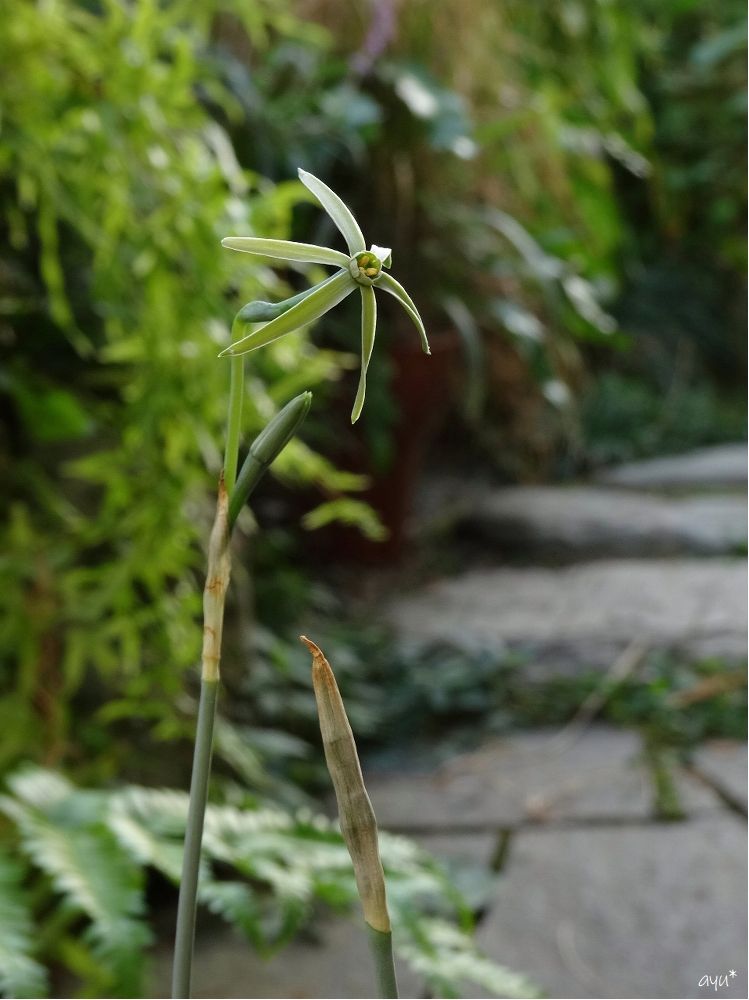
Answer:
(214, 594)
(263, 450)
(381, 947)
(188, 887)
(234, 422)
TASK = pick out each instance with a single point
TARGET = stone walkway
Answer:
(603, 566)
(556, 836)
(555, 839)
(594, 896)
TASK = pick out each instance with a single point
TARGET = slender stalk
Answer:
(214, 595)
(381, 946)
(358, 823)
(234, 421)
(188, 889)
(263, 450)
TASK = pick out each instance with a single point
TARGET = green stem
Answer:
(234, 421)
(381, 945)
(188, 890)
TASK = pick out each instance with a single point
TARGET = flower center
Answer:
(365, 268)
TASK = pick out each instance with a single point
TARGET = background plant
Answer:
(116, 185)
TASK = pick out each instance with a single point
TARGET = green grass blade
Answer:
(389, 284)
(327, 295)
(307, 253)
(337, 210)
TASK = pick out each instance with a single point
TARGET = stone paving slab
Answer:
(636, 912)
(724, 764)
(529, 777)
(722, 466)
(585, 615)
(557, 522)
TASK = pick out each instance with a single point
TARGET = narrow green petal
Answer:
(337, 210)
(327, 295)
(368, 324)
(285, 250)
(389, 284)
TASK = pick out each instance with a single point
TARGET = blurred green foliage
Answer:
(116, 185)
(625, 416)
(446, 697)
(571, 174)
(568, 158)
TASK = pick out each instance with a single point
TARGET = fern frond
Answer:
(87, 866)
(20, 974)
(447, 957)
(268, 920)
(40, 788)
(161, 847)
(236, 903)
(290, 861)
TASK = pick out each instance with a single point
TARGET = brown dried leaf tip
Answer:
(358, 824)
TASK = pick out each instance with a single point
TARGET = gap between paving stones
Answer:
(539, 826)
(731, 802)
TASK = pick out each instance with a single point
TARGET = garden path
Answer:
(559, 838)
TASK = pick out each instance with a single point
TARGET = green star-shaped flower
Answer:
(363, 269)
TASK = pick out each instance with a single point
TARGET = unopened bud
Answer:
(266, 447)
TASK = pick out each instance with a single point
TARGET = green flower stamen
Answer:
(365, 268)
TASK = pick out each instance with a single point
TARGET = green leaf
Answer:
(328, 294)
(308, 253)
(389, 284)
(337, 210)
(20, 974)
(263, 870)
(368, 324)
